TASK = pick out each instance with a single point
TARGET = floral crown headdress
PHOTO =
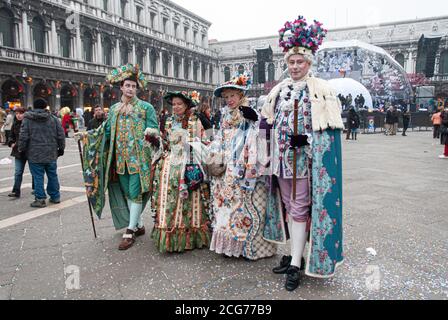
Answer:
(127, 71)
(298, 37)
(241, 81)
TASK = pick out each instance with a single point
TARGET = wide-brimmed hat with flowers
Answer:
(128, 71)
(192, 98)
(239, 82)
(297, 37)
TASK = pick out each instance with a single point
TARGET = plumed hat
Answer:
(239, 82)
(128, 71)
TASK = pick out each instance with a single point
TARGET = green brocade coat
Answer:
(99, 159)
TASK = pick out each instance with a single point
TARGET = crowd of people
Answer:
(440, 128)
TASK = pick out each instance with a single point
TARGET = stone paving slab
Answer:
(393, 203)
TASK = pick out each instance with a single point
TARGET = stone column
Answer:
(171, 67)
(78, 44)
(101, 97)
(133, 58)
(80, 97)
(117, 52)
(29, 95)
(191, 77)
(54, 39)
(26, 39)
(147, 66)
(182, 66)
(160, 71)
(99, 52)
(57, 95)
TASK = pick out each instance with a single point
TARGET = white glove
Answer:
(79, 135)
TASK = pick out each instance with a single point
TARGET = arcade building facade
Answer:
(62, 50)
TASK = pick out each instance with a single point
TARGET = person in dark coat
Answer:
(353, 124)
(20, 158)
(98, 118)
(203, 113)
(389, 123)
(444, 133)
(406, 120)
(42, 139)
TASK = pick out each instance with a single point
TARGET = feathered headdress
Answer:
(298, 37)
(125, 72)
(240, 82)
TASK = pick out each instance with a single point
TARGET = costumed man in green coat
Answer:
(118, 156)
(304, 114)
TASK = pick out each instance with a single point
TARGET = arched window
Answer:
(204, 72)
(187, 69)
(87, 45)
(400, 59)
(195, 70)
(165, 62)
(255, 73)
(65, 44)
(176, 67)
(271, 72)
(241, 69)
(124, 53)
(140, 58)
(210, 73)
(38, 33)
(226, 74)
(6, 28)
(107, 51)
(153, 59)
(443, 67)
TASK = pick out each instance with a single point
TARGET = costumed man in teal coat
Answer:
(312, 136)
(118, 156)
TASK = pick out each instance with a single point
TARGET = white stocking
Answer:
(291, 242)
(298, 237)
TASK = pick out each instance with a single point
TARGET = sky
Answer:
(240, 19)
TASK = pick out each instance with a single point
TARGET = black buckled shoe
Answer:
(292, 278)
(284, 265)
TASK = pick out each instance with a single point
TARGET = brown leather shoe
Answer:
(128, 240)
(140, 232)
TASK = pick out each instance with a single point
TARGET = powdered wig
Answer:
(307, 56)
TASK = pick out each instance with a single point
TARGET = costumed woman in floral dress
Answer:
(118, 156)
(310, 132)
(239, 193)
(181, 197)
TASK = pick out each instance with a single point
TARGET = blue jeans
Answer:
(18, 175)
(51, 169)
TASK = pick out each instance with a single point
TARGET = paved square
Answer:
(395, 205)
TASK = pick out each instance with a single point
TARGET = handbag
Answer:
(193, 176)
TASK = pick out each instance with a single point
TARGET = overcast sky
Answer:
(238, 19)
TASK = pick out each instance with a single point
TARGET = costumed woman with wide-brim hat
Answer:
(239, 193)
(118, 156)
(181, 194)
(312, 136)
